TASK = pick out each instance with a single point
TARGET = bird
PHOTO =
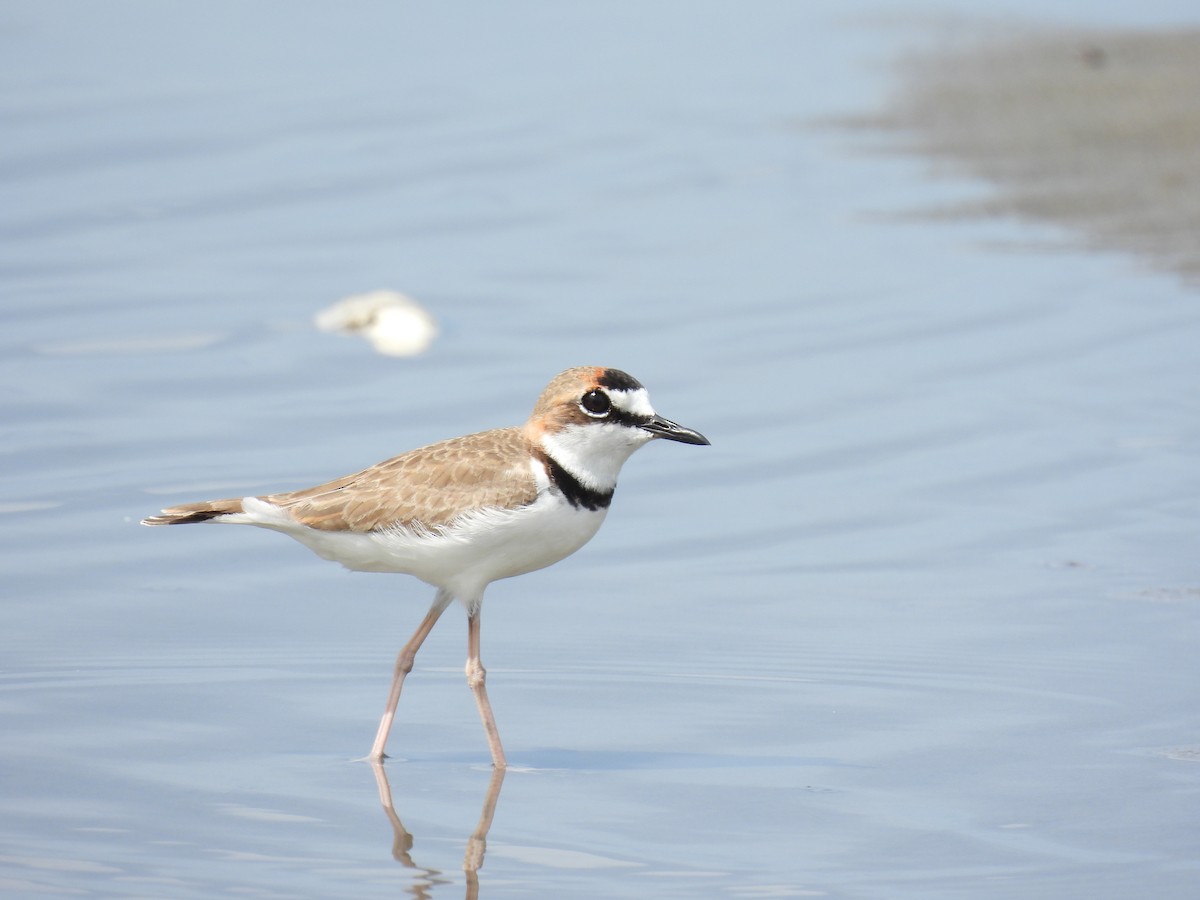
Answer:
(465, 512)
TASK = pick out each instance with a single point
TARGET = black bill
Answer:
(665, 428)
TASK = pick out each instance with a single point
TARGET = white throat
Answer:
(595, 452)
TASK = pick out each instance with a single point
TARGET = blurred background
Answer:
(920, 623)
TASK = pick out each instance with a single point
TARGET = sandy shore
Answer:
(1097, 131)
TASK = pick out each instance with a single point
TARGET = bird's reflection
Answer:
(402, 840)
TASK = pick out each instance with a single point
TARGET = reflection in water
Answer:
(402, 840)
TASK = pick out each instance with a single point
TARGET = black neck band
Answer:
(576, 493)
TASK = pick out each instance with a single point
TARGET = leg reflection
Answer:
(402, 840)
(477, 843)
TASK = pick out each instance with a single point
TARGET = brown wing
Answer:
(428, 487)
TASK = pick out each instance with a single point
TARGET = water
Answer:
(920, 623)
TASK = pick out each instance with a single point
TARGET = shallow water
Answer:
(920, 623)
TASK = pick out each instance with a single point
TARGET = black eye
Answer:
(595, 403)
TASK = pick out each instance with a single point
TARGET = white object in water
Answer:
(394, 323)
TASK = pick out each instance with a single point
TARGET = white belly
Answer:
(464, 558)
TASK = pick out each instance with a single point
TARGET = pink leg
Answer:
(404, 664)
(476, 676)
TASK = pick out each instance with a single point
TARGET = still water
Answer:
(922, 622)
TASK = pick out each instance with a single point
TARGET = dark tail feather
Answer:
(194, 512)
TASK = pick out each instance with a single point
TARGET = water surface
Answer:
(920, 623)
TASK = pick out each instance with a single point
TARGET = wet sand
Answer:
(1094, 130)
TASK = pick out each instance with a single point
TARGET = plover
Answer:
(471, 510)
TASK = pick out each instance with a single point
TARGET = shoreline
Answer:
(1097, 131)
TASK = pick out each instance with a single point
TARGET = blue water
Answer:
(920, 623)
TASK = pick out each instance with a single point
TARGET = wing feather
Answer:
(427, 487)
(424, 488)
